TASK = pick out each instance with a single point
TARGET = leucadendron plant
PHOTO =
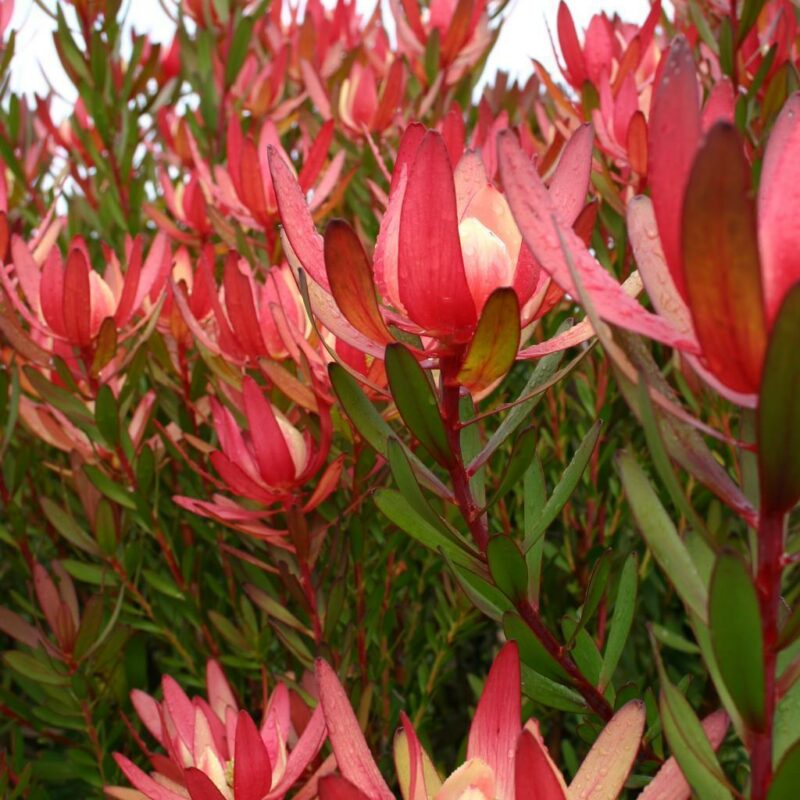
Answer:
(333, 378)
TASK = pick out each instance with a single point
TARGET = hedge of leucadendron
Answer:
(366, 435)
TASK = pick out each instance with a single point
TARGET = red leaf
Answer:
(200, 786)
(432, 283)
(674, 133)
(335, 787)
(778, 201)
(570, 46)
(496, 725)
(252, 772)
(76, 299)
(535, 775)
(349, 746)
(722, 276)
(271, 449)
(241, 307)
(296, 218)
(352, 285)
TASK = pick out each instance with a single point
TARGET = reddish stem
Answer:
(771, 529)
(458, 474)
(594, 699)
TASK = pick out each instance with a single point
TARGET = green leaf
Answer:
(486, 597)
(106, 415)
(372, 426)
(779, 411)
(63, 522)
(786, 779)
(661, 461)
(790, 629)
(621, 620)
(493, 348)
(533, 499)
(364, 416)
(402, 514)
(113, 491)
(162, 584)
(673, 640)
(750, 11)
(737, 637)
(239, 48)
(522, 454)
(531, 651)
(663, 540)
(32, 668)
(565, 487)
(690, 745)
(542, 689)
(598, 581)
(406, 481)
(59, 398)
(541, 378)
(416, 402)
(507, 568)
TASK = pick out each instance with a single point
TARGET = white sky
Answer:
(523, 36)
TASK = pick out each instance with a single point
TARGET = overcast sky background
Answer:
(524, 36)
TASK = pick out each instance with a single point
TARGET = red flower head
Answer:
(462, 27)
(271, 462)
(66, 303)
(447, 243)
(214, 750)
(505, 759)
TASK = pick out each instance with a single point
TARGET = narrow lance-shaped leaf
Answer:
(372, 426)
(353, 757)
(531, 650)
(787, 776)
(416, 402)
(621, 621)
(690, 745)
(737, 637)
(565, 487)
(507, 567)
(522, 454)
(406, 481)
(401, 513)
(542, 374)
(598, 581)
(779, 411)
(494, 346)
(661, 537)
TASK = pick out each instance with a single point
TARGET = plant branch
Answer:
(771, 529)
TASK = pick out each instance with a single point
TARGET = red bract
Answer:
(447, 242)
(214, 750)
